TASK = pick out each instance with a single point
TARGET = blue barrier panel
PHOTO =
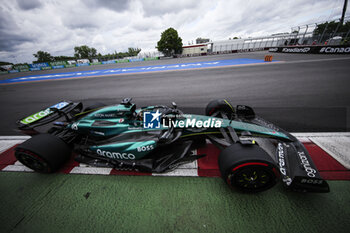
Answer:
(38, 65)
(58, 67)
(34, 69)
(82, 64)
(138, 69)
(136, 59)
(108, 62)
(13, 71)
(58, 63)
(20, 67)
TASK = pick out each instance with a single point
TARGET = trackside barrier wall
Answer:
(337, 49)
(64, 64)
(69, 65)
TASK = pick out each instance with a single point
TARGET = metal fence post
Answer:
(347, 34)
(324, 30)
(336, 29)
(307, 27)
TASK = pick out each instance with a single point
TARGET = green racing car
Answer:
(255, 154)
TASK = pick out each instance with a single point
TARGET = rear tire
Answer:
(44, 153)
(247, 168)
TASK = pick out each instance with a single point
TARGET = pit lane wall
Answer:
(334, 49)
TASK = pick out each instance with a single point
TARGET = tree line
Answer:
(84, 52)
(169, 44)
(330, 27)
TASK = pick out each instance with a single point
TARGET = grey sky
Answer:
(56, 26)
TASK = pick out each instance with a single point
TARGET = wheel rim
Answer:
(32, 161)
(253, 178)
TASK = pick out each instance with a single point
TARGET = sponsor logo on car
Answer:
(115, 155)
(43, 113)
(145, 148)
(306, 164)
(311, 181)
(282, 164)
(105, 115)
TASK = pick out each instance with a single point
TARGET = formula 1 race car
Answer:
(255, 154)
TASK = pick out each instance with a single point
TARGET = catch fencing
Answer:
(299, 36)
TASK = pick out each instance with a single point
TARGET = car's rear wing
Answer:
(65, 109)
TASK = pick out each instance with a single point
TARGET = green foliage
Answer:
(42, 56)
(133, 51)
(63, 58)
(345, 41)
(130, 53)
(235, 38)
(170, 43)
(2, 63)
(200, 40)
(331, 27)
(84, 51)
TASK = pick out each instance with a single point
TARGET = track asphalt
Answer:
(134, 70)
(302, 94)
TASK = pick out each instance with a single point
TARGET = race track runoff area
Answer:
(87, 199)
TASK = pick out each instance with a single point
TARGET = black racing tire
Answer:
(219, 105)
(247, 168)
(94, 106)
(44, 153)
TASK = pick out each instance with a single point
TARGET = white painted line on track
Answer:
(14, 137)
(337, 147)
(179, 172)
(319, 60)
(330, 134)
(192, 165)
(17, 168)
(18, 163)
(6, 144)
(91, 170)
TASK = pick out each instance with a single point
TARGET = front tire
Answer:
(247, 168)
(44, 153)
